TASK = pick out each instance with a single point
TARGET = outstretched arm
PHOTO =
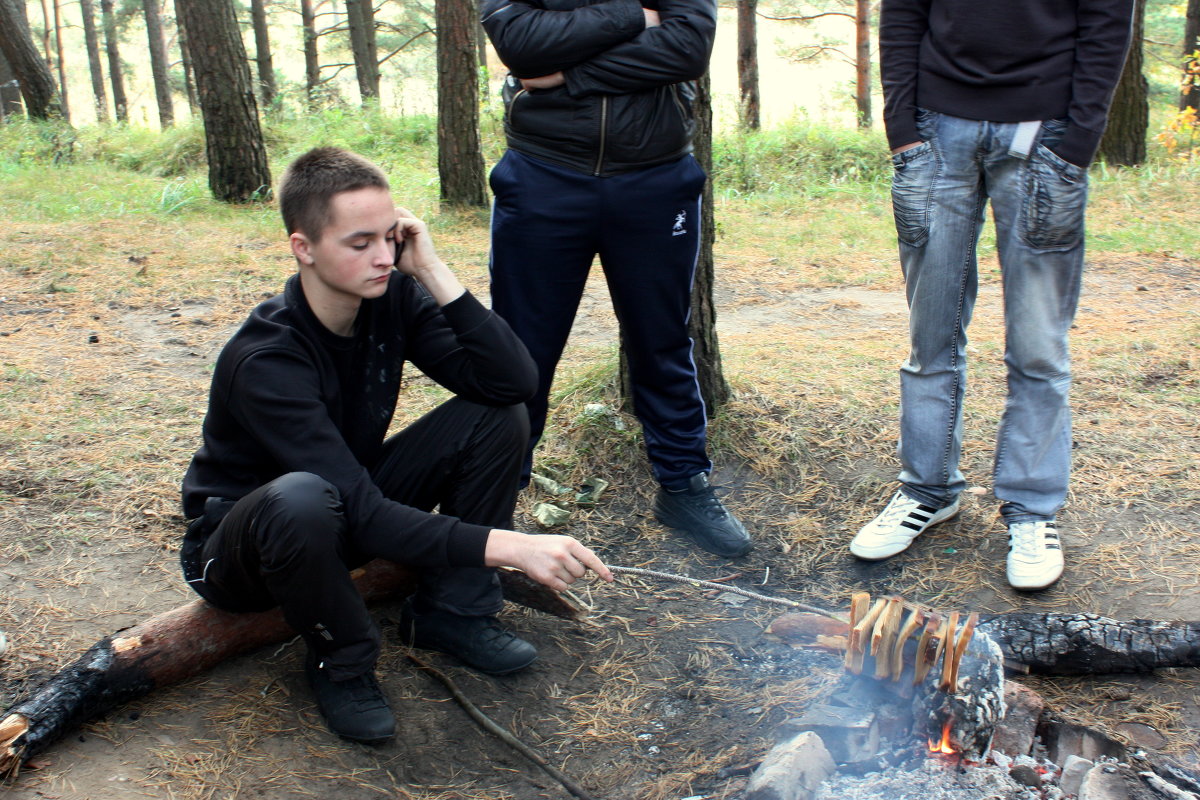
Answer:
(676, 50)
(556, 561)
(534, 41)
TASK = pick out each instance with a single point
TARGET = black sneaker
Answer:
(479, 642)
(698, 513)
(354, 709)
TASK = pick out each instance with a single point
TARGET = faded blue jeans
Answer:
(939, 192)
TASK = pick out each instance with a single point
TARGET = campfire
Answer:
(924, 711)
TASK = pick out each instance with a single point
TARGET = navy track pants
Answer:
(548, 225)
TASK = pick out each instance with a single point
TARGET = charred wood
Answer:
(185, 642)
(1089, 644)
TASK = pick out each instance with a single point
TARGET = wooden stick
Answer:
(947, 651)
(499, 732)
(857, 645)
(860, 602)
(883, 641)
(915, 620)
(927, 647)
(960, 648)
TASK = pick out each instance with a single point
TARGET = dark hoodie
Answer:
(1004, 61)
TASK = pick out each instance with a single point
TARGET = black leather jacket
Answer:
(626, 103)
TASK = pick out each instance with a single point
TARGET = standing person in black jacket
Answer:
(598, 117)
(1003, 102)
(295, 482)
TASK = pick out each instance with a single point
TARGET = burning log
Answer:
(1089, 644)
(184, 642)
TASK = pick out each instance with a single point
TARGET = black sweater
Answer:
(288, 395)
(1006, 61)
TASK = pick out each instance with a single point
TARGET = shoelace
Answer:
(897, 510)
(1025, 540)
(365, 693)
(710, 503)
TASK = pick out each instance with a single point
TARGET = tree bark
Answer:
(312, 63)
(92, 40)
(185, 642)
(862, 61)
(36, 82)
(10, 87)
(159, 63)
(1189, 95)
(185, 59)
(113, 50)
(703, 323)
(747, 60)
(360, 18)
(1089, 644)
(237, 158)
(460, 156)
(1124, 140)
(61, 61)
(262, 52)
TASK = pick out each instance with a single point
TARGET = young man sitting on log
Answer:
(295, 482)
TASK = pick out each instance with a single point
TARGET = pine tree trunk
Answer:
(61, 61)
(237, 158)
(312, 63)
(747, 61)
(862, 61)
(92, 40)
(360, 19)
(703, 323)
(185, 59)
(460, 157)
(1189, 96)
(159, 63)
(262, 52)
(10, 93)
(1124, 140)
(113, 50)
(16, 43)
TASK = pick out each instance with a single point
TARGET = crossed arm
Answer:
(601, 48)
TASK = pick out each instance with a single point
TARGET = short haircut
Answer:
(314, 179)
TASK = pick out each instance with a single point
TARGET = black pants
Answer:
(548, 224)
(288, 543)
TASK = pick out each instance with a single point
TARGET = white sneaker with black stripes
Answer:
(894, 529)
(1035, 555)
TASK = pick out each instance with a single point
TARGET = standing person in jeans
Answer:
(1003, 102)
(599, 123)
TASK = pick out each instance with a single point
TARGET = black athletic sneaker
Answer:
(698, 513)
(354, 709)
(479, 642)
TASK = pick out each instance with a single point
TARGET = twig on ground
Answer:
(499, 732)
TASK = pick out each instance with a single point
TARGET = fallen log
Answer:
(185, 642)
(1045, 643)
(1089, 644)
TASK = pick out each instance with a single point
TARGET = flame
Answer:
(944, 745)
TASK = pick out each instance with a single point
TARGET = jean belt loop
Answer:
(1023, 138)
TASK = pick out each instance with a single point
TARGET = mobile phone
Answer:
(399, 252)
